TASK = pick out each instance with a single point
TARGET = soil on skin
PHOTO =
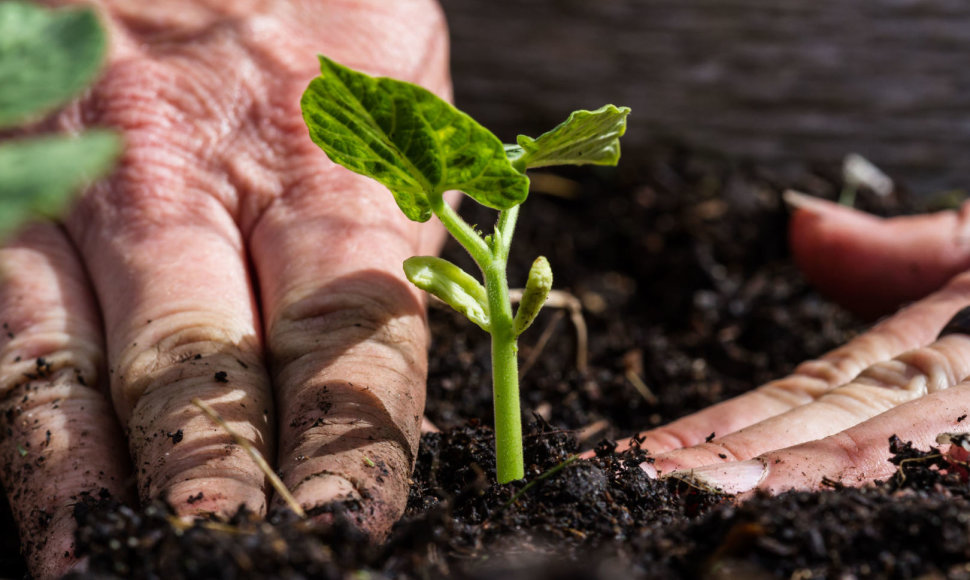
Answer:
(681, 266)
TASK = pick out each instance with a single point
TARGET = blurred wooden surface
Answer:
(772, 80)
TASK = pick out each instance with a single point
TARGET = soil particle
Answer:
(682, 261)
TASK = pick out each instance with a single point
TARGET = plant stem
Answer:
(504, 230)
(254, 453)
(463, 233)
(492, 258)
(505, 376)
(505, 364)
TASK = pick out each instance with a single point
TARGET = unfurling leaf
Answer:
(586, 137)
(408, 139)
(46, 58)
(536, 291)
(40, 174)
(452, 285)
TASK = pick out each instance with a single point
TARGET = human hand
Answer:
(226, 259)
(832, 417)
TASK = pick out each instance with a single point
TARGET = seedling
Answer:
(419, 147)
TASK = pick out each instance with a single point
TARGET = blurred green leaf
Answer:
(39, 175)
(46, 58)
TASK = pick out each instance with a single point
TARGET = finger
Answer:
(181, 324)
(871, 265)
(912, 327)
(58, 434)
(346, 332)
(347, 338)
(852, 457)
(170, 271)
(879, 388)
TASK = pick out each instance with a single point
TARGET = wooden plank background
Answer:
(772, 80)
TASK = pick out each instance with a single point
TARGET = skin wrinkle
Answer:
(48, 308)
(827, 370)
(880, 388)
(347, 317)
(58, 349)
(33, 492)
(794, 390)
(324, 396)
(193, 335)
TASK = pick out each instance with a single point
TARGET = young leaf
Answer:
(534, 296)
(452, 285)
(46, 58)
(408, 139)
(586, 137)
(39, 174)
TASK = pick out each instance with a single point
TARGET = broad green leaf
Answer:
(408, 139)
(534, 296)
(586, 137)
(46, 58)
(452, 285)
(40, 174)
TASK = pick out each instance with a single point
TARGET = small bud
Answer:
(452, 285)
(537, 289)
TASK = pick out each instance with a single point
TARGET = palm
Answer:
(226, 259)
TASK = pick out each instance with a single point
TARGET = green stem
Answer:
(505, 365)
(460, 230)
(504, 230)
(505, 376)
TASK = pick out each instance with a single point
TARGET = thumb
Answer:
(872, 265)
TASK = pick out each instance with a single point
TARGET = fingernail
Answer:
(796, 200)
(649, 469)
(732, 478)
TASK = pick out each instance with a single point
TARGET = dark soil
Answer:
(681, 265)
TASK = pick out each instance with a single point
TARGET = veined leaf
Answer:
(452, 285)
(534, 296)
(46, 58)
(586, 137)
(408, 139)
(40, 174)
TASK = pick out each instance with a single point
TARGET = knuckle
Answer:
(825, 370)
(183, 350)
(41, 391)
(853, 451)
(44, 365)
(919, 371)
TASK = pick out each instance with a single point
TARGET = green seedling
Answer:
(46, 59)
(419, 147)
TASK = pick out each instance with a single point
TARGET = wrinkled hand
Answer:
(226, 259)
(832, 417)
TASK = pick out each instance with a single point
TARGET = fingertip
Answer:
(872, 265)
(733, 478)
(649, 469)
(363, 488)
(825, 240)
